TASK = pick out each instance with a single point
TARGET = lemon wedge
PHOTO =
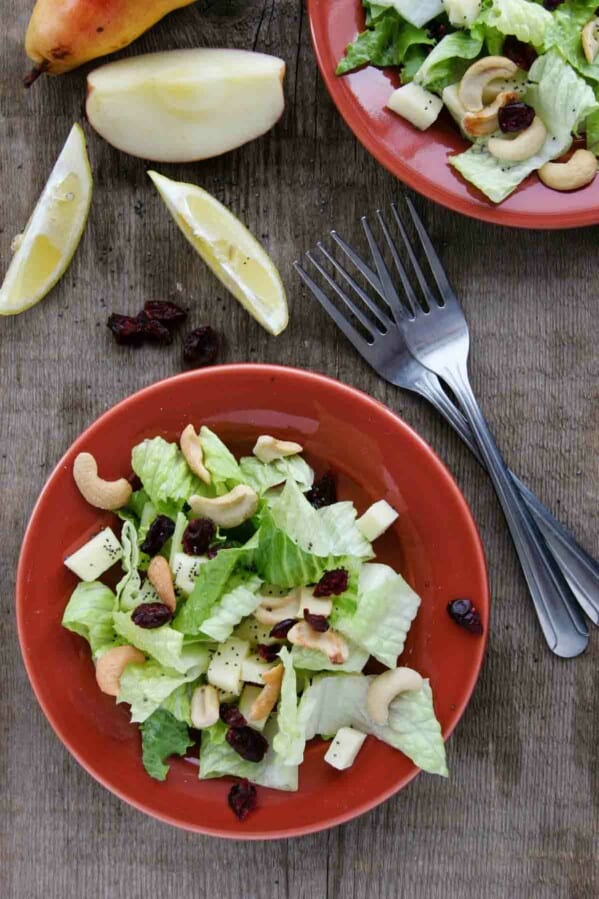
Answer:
(42, 253)
(229, 249)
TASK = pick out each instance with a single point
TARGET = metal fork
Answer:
(386, 350)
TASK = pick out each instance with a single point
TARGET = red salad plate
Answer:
(420, 158)
(434, 543)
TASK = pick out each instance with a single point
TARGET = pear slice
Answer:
(43, 251)
(229, 249)
(184, 105)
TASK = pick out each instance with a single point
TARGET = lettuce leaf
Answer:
(529, 22)
(239, 599)
(164, 644)
(146, 687)
(279, 560)
(383, 617)
(165, 475)
(89, 614)
(162, 736)
(387, 41)
(448, 61)
(128, 588)
(262, 476)
(289, 742)
(218, 759)
(564, 34)
(178, 703)
(220, 462)
(313, 660)
(562, 100)
(331, 702)
(209, 587)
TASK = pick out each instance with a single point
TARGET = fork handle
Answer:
(577, 565)
(561, 620)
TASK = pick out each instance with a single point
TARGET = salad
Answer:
(519, 77)
(248, 607)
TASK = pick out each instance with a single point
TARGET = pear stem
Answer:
(35, 73)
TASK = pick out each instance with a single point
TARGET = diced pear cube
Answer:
(377, 519)
(224, 670)
(346, 744)
(248, 696)
(416, 104)
(252, 669)
(96, 556)
(185, 571)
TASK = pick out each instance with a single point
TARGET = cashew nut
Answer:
(384, 688)
(330, 642)
(580, 170)
(590, 40)
(111, 665)
(522, 147)
(486, 120)
(478, 76)
(191, 447)
(268, 448)
(229, 510)
(161, 579)
(316, 605)
(99, 493)
(269, 694)
(273, 609)
(205, 706)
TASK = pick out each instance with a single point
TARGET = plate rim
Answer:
(269, 370)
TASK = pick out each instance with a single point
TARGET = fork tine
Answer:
(384, 320)
(411, 299)
(340, 320)
(356, 312)
(437, 269)
(391, 294)
(364, 269)
(428, 294)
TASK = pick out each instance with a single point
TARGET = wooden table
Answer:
(519, 817)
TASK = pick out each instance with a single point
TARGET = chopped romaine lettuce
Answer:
(127, 589)
(564, 34)
(387, 41)
(220, 462)
(89, 614)
(289, 742)
(527, 21)
(218, 759)
(239, 599)
(447, 62)
(209, 587)
(314, 660)
(162, 736)
(165, 475)
(164, 644)
(145, 687)
(262, 476)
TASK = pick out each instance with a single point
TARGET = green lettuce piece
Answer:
(313, 660)
(383, 618)
(562, 100)
(279, 560)
(220, 462)
(331, 702)
(262, 476)
(564, 35)
(338, 522)
(529, 22)
(387, 41)
(162, 736)
(89, 614)
(209, 587)
(448, 61)
(178, 703)
(164, 644)
(289, 742)
(218, 759)
(592, 132)
(239, 600)
(177, 538)
(134, 508)
(128, 588)
(145, 687)
(165, 475)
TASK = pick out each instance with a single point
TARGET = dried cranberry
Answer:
(161, 530)
(523, 55)
(269, 651)
(317, 622)
(323, 492)
(242, 799)
(462, 611)
(198, 536)
(332, 583)
(165, 312)
(231, 715)
(515, 117)
(151, 614)
(552, 4)
(200, 347)
(249, 743)
(282, 628)
(437, 30)
(126, 330)
(153, 330)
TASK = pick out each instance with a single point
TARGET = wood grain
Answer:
(519, 817)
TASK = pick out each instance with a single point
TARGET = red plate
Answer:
(435, 544)
(418, 158)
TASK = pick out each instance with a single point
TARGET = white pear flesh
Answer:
(185, 105)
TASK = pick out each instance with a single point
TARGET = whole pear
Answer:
(63, 34)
